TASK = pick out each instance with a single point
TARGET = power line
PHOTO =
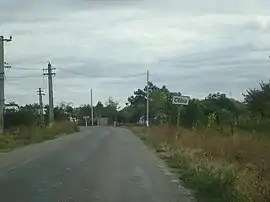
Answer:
(19, 95)
(98, 75)
(23, 68)
(134, 75)
(73, 72)
(22, 77)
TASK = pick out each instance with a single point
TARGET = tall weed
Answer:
(28, 135)
(218, 166)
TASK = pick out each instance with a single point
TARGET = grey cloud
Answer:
(194, 47)
(225, 70)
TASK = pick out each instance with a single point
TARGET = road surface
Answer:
(103, 164)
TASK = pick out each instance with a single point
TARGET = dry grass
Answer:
(234, 168)
(24, 135)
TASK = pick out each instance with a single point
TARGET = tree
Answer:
(193, 114)
(226, 111)
(63, 111)
(111, 110)
(136, 106)
(258, 100)
(224, 108)
(24, 115)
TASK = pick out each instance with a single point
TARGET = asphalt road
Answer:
(101, 164)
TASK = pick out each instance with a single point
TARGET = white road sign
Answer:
(181, 100)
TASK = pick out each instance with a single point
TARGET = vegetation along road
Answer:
(97, 164)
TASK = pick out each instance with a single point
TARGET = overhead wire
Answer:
(12, 78)
(71, 71)
(22, 77)
(98, 75)
(23, 68)
(76, 72)
(15, 97)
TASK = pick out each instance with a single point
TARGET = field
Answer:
(22, 136)
(216, 166)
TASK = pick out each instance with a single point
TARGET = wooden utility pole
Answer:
(40, 94)
(49, 72)
(147, 101)
(2, 81)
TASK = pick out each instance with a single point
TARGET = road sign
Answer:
(181, 100)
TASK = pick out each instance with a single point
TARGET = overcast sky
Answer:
(194, 47)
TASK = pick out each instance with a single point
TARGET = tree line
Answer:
(216, 109)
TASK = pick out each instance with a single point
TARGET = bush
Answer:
(256, 126)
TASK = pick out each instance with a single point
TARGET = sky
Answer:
(194, 47)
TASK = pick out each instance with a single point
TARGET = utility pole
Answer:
(2, 81)
(147, 102)
(92, 108)
(50, 73)
(99, 114)
(40, 94)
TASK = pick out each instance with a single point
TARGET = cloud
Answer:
(194, 47)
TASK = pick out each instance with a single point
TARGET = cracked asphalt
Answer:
(103, 164)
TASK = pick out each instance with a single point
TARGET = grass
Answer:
(217, 166)
(28, 135)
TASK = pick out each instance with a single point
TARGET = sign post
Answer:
(180, 100)
(178, 116)
(86, 120)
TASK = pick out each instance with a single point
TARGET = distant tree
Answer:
(111, 110)
(226, 111)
